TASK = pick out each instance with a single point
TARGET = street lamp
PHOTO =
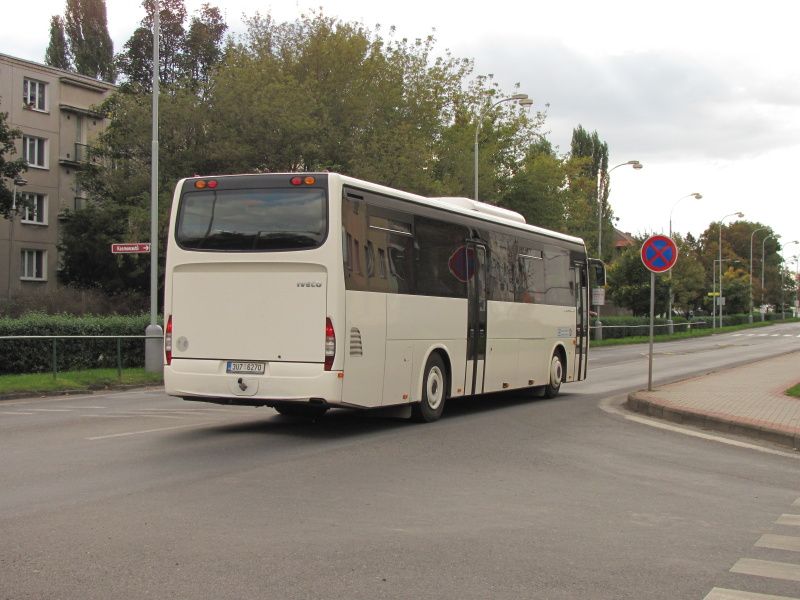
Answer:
(750, 316)
(521, 99)
(696, 196)
(719, 302)
(19, 181)
(783, 309)
(602, 183)
(763, 249)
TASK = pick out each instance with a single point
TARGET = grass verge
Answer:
(90, 379)
(683, 335)
(794, 391)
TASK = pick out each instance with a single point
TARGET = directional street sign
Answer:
(135, 248)
(659, 253)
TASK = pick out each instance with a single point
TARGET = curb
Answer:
(74, 392)
(708, 421)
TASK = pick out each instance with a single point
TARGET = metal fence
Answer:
(55, 345)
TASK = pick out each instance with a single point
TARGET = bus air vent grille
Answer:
(356, 347)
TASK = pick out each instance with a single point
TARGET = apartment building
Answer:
(55, 111)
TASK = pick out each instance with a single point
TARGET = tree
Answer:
(89, 42)
(629, 284)
(594, 169)
(538, 191)
(186, 57)
(9, 169)
(312, 94)
(203, 45)
(57, 54)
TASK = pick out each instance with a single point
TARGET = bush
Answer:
(74, 301)
(36, 355)
(620, 327)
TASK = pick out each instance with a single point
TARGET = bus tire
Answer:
(306, 411)
(556, 376)
(434, 391)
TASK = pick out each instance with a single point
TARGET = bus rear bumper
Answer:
(206, 380)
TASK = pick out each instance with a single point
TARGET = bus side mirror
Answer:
(598, 268)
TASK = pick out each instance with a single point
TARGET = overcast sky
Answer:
(705, 93)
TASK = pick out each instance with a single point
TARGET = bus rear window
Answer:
(252, 220)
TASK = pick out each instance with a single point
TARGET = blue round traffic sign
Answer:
(659, 253)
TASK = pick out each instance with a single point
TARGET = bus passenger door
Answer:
(476, 318)
(580, 363)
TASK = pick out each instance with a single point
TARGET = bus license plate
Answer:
(251, 368)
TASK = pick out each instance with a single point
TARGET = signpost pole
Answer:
(652, 318)
(153, 355)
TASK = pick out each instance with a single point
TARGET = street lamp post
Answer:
(750, 316)
(18, 182)
(670, 326)
(763, 249)
(719, 301)
(714, 277)
(602, 183)
(782, 273)
(521, 99)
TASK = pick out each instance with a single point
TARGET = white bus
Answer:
(308, 291)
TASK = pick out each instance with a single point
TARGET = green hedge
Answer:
(36, 356)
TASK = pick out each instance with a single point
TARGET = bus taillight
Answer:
(330, 344)
(168, 341)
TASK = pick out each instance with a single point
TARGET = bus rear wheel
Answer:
(434, 391)
(556, 375)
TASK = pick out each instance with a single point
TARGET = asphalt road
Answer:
(137, 495)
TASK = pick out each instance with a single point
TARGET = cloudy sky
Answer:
(705, 93)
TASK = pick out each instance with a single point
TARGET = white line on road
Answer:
(129, 433)
(50, 409)
(796, 502)
(87, 407)
(609, 405)
(725, 594)
(779, 542)
(775, 335)
(789, 520)
(767, 568)
(15, 413)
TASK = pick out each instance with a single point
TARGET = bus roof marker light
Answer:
(200, 184)
(310, 180)
(296, 181)
(212, 183)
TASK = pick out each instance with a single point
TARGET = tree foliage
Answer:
(186, 56)
(9, 169)
(629, 284)
(90, 44)
(590, 171)
(57, 53)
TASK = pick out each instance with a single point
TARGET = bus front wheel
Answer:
(434, 391)
(556, 375)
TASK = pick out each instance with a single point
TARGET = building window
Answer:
(34, 94)
(34, 151)
(33, 208)
(33, 265)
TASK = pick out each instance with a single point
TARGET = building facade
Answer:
(55, 112)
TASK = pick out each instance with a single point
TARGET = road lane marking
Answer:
(787, 335)
(789, 520)
(775, 335)
(87, 407)
(608, 405)
(50, 409)
(796, 502)
(15, 413)
(143, 431)
(779, 542)
(725, 594)
(767, 568)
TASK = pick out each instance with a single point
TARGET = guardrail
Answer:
(56, 338)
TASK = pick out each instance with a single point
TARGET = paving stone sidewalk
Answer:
(747, 400)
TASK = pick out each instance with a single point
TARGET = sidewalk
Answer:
(747, 400)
